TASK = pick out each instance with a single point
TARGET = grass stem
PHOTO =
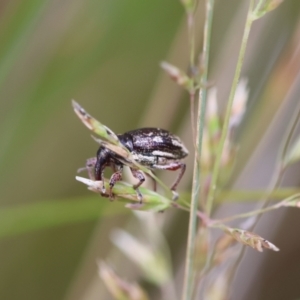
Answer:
(217, 164)
(189, 267)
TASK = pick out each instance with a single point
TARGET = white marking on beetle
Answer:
(162, 160)
(162, 153)
(158, 139)
(177, 143)
(142, 158)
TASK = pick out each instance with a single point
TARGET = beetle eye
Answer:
(162, 160)
(126, 140)
(128, 144)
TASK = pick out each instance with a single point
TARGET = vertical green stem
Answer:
(217, 163)
(189, 268)
(191, 29)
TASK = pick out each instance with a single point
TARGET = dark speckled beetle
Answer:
(151, 147)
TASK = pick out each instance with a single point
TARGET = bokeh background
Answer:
(106, 55)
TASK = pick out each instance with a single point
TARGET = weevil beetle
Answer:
(154, 148)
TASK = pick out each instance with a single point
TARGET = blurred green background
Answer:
(106, 55)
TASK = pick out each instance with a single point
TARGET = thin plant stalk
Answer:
(280, 167)
(238, 196)
(255, 212)
(217, 164)
(189, 267)
(191, 31)
(271, 192)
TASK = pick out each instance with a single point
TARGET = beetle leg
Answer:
(103, 190)
(176, 182)
(117, 176)
(154, 182)
(101, 164)
(89, 166)
(173, 167)
(141, 177)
